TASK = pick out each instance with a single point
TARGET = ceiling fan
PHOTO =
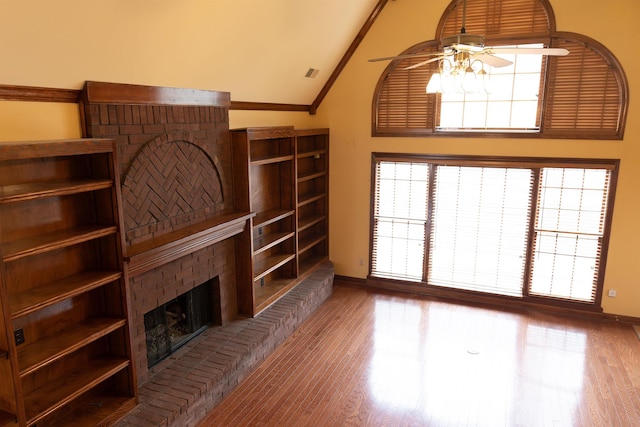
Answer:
(465, 49)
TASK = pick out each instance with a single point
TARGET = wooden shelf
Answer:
(311, 153)
(14, 150)
(312, 175)
(47, 399)
(52, 241)
(99, 410)
(310, 221)
(37, 190)
(270, 160)
(310, 241)
(268, 265)
(267, 241)
(268, 293)
(268, 217)
(313, 132)
(35, 356)
(43, 296)
(310, 262)
(310, 198)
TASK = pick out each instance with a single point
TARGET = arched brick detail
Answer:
(171, 181)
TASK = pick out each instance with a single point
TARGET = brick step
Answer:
(182, 389)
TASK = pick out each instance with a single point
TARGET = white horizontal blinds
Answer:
(399, 218)
(569, 229)
(479, 228)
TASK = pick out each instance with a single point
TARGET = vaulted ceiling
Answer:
(258, 50)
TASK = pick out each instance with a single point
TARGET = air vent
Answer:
(312, 73)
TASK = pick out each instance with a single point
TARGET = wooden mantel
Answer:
(150, 254)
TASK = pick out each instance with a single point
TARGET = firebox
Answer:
(173, 324)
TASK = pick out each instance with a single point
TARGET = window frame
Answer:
(535, 163)
(569, 108)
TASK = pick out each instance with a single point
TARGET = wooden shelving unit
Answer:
(286, 176)
(63, 309)
(312, 166)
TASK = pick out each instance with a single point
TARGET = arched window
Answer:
(582, 95)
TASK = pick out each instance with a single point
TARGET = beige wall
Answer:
(347, 109)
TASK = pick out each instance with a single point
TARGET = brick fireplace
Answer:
(181, 230)
(171, 325)
(174, 156)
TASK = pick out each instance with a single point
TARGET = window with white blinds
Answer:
(569, 230)
(527, 229)
(400, 215)
(479, 228)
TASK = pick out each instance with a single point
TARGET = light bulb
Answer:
(435, 84)
(470, 81)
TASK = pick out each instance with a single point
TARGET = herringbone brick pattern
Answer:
(169, 180)
(174, 163)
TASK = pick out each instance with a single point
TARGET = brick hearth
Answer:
(181, 389)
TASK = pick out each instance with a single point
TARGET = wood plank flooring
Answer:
(371, 358)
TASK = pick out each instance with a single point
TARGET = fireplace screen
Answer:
(171, 325)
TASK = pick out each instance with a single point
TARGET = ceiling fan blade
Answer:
(408, 55)
(549, 51)
(489, 59)
(420, 64)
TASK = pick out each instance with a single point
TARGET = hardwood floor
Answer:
(380, 359)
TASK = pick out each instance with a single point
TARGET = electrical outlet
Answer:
(18, 334)
(612, 293)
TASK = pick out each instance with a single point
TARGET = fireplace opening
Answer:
(171, 325)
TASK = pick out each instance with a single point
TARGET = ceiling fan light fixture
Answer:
(435, 83)
(470, 81)
(459, 76)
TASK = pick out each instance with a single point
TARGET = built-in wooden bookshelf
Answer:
(286, 171)
(312, 189)
(63, 304)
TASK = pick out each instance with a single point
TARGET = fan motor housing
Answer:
(463, 38)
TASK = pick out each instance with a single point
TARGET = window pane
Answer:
(475, 114)
(569, 226)
(523, 114)
(479, 230)
(498, 114)
(565, 266)
(451, 114)
(399, 218)
(510, 102)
